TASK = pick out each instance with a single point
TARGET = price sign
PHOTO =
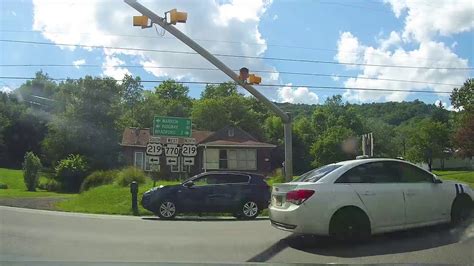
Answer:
(154, 149)
(189, 150)
(172, 150)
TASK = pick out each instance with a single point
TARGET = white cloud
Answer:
(114, 72)
(275, 17)
(393, 39)
(94, 22)
(425, 20)
(241, 10)
(79, 63)
(297, 95)
(349, 50)
(13, 13)
(5, 89)
(335, 77)
(454, 44)
(439, 54)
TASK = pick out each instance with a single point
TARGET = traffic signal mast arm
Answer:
(220, 65)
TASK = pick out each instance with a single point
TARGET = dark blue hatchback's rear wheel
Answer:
(248, 210)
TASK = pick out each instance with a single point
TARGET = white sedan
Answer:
(354, 199)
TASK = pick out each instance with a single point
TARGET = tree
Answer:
(464, 136)
(428, 141)
(220, 91)
(132, 94)
(88, 124)
(336, 144)
(273, 127)
(172, 90)
(440, 114)
(210, 114)
(31, 168)
(463, 98)
(236, 110)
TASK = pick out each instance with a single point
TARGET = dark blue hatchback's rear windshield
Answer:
(316, 174)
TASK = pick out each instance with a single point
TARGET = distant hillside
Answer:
(393, 113)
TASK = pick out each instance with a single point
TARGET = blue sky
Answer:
(338, 31)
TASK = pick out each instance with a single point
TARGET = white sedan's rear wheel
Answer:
(349, 224)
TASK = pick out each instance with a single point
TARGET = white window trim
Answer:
(142, 159)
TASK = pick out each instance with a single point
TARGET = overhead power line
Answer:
(261, 85)
(236, 70)
(226, 41)
(237, 56)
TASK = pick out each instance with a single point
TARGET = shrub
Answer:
(3, 186)
(70, 172)
(277, 176)
(129, 174)
(31, 167)
(50, 185)
(99, 178)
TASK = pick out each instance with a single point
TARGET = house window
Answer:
(230, 132)
(222, 159)
(231, 159)
(138, 162)
(212, 159)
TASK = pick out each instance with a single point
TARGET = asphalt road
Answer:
(36, 235)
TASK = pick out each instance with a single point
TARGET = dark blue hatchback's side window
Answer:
(233, 179)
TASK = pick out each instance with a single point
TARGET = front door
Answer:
(376, 185)
(195, 198)
(423, 197)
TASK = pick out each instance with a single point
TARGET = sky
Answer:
(307, 50)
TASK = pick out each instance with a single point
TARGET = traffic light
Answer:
(254, 79)
(174, 16)
(141, 21)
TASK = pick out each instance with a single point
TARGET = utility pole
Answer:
(285, 117)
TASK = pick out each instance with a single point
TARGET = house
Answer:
(229, 148)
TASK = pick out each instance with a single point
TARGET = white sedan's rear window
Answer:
(318, 173)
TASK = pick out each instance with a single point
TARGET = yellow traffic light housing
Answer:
(174, 16)
(141, 21)
(254, 79)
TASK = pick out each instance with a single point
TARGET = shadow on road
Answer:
(389, 243)
(203, 219)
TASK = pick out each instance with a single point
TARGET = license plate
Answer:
(278, 200)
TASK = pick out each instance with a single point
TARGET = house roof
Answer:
(240, 144)
(140, 136)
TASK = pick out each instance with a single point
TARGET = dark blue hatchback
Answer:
(244, 195)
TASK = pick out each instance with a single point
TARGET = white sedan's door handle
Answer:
(368, 193)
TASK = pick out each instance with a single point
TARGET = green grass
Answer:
(17, 189)
(462, 176)
(108, 199)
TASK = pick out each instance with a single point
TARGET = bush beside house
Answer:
(31, 168)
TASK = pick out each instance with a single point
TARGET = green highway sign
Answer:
(171, 126)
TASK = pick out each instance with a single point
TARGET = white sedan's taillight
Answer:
(299, 196)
